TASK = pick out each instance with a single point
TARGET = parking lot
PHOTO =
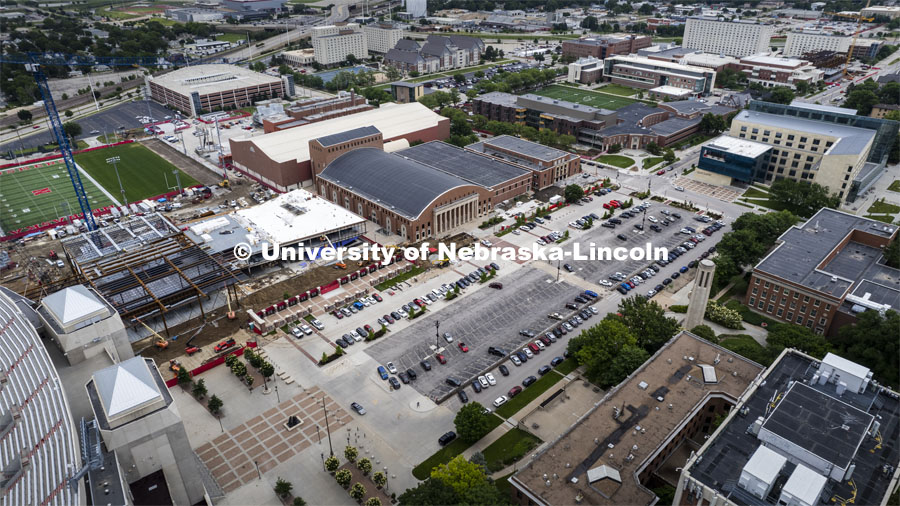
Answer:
(482, 319)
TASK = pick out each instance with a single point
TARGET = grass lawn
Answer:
(746, 346)
(529, 394)
(616, 160)
(144, 174)
(586, 97)
(232, 37)
(40, 193)
(886, 218)
(567, 366)
(115, 14)
(738, 289)
(895, 186)
(446, 454)
(509, 448)
(618, 89)
(768, 204)
(754, 193)
(883, 208)
(502, 485)
(748, 315)
(653, 160)
(415, 271)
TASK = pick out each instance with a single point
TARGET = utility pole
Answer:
(327, 428)
(114, 160)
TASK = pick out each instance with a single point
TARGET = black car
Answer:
(459, 285)
(655, 228)
(425, 365)
(580, 299)
(476, 386)
(526, 333)
(394, 383)
(622, 290)
(607, 225)
(412, 374)
(675, 275)
(556, 361)
(463, 398)
(453, 382)
(493, 350)
(503, 370)
(446, 438)
(543, 370)
(572, 306)
(594, 216)
(692, 264)
(676, 216)
(404, 377)
(340, 342)
(362, 332)
(568, 268)
(638, 226)
(355, 406)
(556, 332)
(658, 288)
(615, 221)
(529, 380)
(666, 281)
(622, 237)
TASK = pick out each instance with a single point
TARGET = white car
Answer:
(356, 337)
(366, 302)
(448, 337)
(541, 345)
(402, 313)
(515, 360)
(592, 309)
(540, 242)
(391, 369)
(652, 219)
(317, 324)
(568, 326)
(483, 381)
(499, 401)
(678, 188)
(605, 282)
(516, 231)
(296, 331)
(306, 330)
(486, 243)
(490, 379)
(528, 353)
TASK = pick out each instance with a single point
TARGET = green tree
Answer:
(802, 198)
(573, 193)
(647, 320)
(392, 73)
(230, 360)
(615, 148)
(24, 115)
(343, 477)
(283, 488)
(862, 100)
(431, 492)
(892, 254)
(184, 376)
(267, 370)
(72, 130)
(797, 337)
(358, 491)
(460, 474)
(712, 124)
(471, 422)
(69, 113)
(872, 341)
(352, 59)
(364, 465)
(298, 501)
(332, 464)
(350, 453)
(590, 23)
(373, 501)
(669, 156)
(459, 77)
(454, 96)
(705, 332)
(597, 346)
(215, 405)
(781, 95)
(654, 149)
(199, 389)
(379, 479)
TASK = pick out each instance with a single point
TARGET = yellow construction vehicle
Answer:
(161, 342)
(859, 19)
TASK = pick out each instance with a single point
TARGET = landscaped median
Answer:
(415, 271)
(529, 394)
(623, 162)
(446, 454)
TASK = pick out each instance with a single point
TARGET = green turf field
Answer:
(585, 97)
(144, 174)
(36, 195)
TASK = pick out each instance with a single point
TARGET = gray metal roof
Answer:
(126, 386)
(633, 113)
(475, 169)
(73, 303)
(527, 148)
(499, 98)
(405, 186)
(852, 140)
(674, 125)
(407, 45)
(349, 135)
(409, 57)
(802, 248)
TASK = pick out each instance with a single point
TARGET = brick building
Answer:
(646, 73)
(213, 87)
(605, 46)
(547, 165)
(313, 110)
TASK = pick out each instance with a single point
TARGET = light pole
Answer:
(114, 160)
(327, 428)
(177, 180)
(437, 334)
(323, 461)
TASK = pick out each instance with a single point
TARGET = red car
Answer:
(607, 206)
(514, 391)
(388, 318)
(463, 347)
(338, 314)
(419, 302)
(224, 345)
(190, 350)
(534, 348)
(377, 297)
(368, 328)
(615, 203)
(441, 359)
(660, 173)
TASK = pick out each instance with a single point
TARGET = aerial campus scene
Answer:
(441, 252)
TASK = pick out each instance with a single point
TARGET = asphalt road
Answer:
(108, 120)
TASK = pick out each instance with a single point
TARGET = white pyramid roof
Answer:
(126, 386)
(72, 304)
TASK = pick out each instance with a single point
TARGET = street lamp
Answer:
(437, 334)
(114, 160)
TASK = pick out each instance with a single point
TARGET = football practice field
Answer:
(586, 97)
(41, 192)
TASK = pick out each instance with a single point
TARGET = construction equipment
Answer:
(191, 349)
(230, 314)
(174, 366)
(161, 342)
(859, 19)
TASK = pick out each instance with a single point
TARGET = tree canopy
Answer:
(609, 351)
(802, 198)
(472, 422)
(573, 193)
(647, 320)
(872, 341)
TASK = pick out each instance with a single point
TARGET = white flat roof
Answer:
(805, 484)
(774, 60)
(738, 146)
(295, 216)
(824, 108)
(708, 58)
(212, 78)
(765, 464)
(845, 365)
(393, 120)
(643, 60)
(671, 90)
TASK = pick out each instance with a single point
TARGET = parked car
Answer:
(355, 406)
(528, 381)
(499, 401)
(425, 365)
(446, 438)
(503, 370)
(514, 391)
(395, 385)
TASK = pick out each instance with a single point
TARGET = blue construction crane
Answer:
(33, 63)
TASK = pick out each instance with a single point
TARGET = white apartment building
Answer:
(299, 57)
(800, 43)
(381, 38)
(417, 8)
(731, 38)
(880, 10)
(333, 43)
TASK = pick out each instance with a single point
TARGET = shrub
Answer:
(725, 317)
(705, 332)
(379, 479)
(199, 390)
(350, 453)
(343, 478)
(283, 488)
(364, 465)
(215, 404)
(373, 501)
(358, 491)
(298, 501)
(332, 464)
(678, 308)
